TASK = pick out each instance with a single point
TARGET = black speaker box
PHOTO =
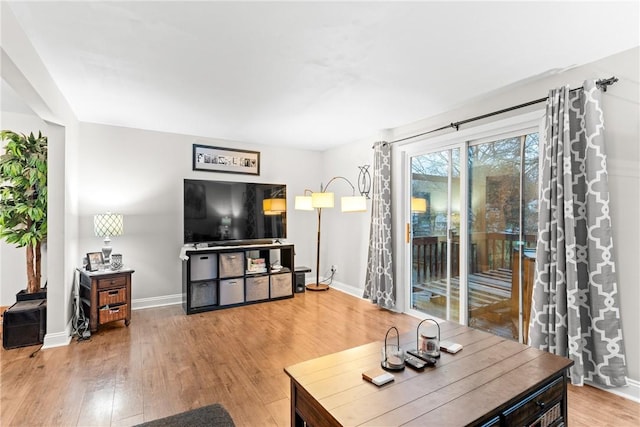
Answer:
(300, 279)
(24, 323)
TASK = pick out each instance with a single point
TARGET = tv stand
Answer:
(232, 275)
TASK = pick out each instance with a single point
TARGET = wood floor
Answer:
(166, 362)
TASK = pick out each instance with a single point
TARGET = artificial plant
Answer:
(23, 198)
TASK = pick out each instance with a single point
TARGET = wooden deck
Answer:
(489, 300)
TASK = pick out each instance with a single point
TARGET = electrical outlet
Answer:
(334, 268)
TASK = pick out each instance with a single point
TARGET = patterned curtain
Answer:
(575, 310)
(379, 286)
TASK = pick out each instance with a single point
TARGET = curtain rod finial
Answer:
(602, 84)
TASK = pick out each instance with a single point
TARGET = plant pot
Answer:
(24, 296)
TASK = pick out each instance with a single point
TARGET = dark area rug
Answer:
(211, 415)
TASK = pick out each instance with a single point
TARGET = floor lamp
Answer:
(321, 200)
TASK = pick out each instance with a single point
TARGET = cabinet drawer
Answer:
(112, 296)
(281, 285)
(112, 282)
(533, 407)
(204, 266)
(257, 288)
(204, 293)
(111, 314)
(231, 291)
(232, 264)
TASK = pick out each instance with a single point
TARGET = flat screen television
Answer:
(226, 212)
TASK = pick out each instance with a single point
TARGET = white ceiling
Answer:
(306, 74)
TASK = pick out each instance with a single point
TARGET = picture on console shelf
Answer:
(228, 160)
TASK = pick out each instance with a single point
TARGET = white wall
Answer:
(345, 236)
(23, 70)
(140, 174)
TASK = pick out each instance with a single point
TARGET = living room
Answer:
(138, 172)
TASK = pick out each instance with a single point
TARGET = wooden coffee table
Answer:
(492, 381)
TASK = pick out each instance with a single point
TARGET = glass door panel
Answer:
(435, 225)
(503, 179)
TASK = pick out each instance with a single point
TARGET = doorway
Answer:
(472, 231)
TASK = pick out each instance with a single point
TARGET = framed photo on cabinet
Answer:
(94, 261)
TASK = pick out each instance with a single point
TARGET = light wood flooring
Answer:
(166, 362)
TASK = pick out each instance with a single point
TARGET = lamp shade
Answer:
(107, 225)
(353, 204)
(418, 204)
(303, 203)
(322, 200)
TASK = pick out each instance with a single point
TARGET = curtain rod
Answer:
(602, 84)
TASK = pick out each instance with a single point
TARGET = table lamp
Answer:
(108, 225)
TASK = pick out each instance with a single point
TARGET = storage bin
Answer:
(257, 288)
(204, 266)
(231, 264)
(281, 285)
(231, 291)
(112, 313)
(113, 296)
(204, 293)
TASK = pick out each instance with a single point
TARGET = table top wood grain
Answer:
(488, 375)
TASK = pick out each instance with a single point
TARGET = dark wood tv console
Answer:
(227, 276)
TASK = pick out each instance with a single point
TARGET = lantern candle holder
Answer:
(427, 344)
(392, 354)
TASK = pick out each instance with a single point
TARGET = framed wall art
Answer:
(228, 160)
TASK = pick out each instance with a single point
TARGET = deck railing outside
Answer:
(489, 251)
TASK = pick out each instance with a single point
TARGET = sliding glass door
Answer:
(503, 181)
(435, 225)
(472, 231)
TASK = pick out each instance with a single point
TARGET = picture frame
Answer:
(227, 160)
(94, 261)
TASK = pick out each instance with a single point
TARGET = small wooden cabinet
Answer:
(106, 296)
(220, 277)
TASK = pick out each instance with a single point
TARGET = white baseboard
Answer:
(141, 303)
(58, 339)
(631, 391)
(347, 289)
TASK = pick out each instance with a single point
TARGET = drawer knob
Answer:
(540, 404)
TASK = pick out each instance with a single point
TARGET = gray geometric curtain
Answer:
(575, 309)
(379, 287)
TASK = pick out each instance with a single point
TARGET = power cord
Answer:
(329, 278)
(79, 323)
(36, 352)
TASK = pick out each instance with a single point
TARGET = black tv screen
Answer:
(224, 212)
